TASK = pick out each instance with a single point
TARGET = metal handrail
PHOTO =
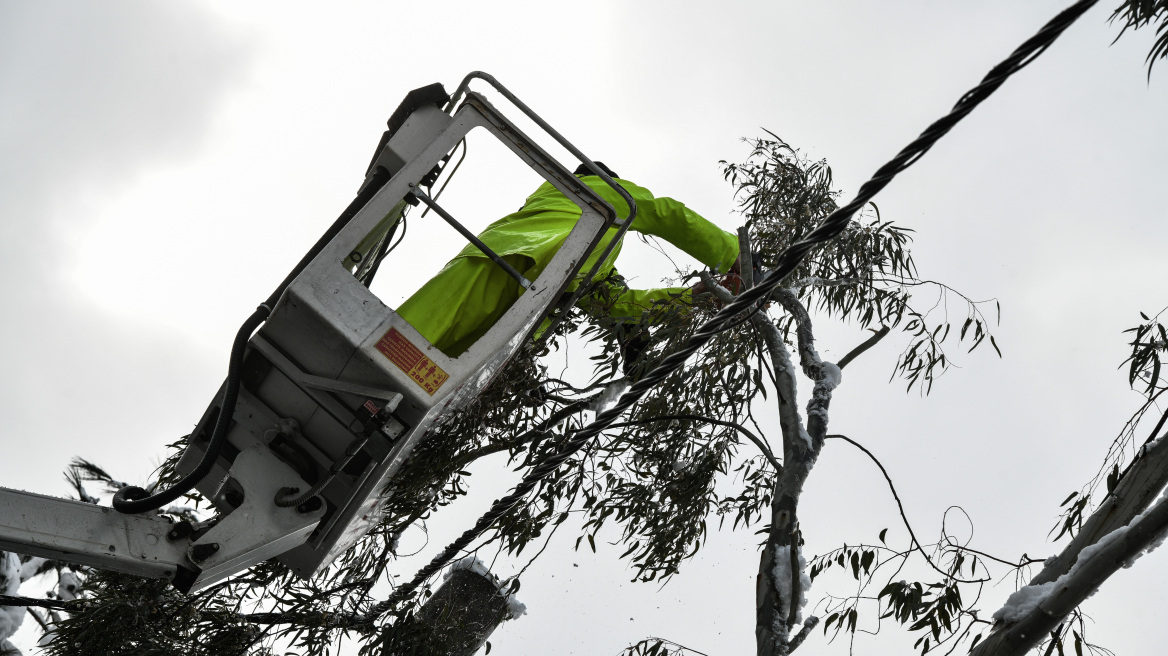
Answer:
(623, 225)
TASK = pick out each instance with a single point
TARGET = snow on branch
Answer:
(1032, 612)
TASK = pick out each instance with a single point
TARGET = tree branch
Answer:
(1139, 487)
(800, 450)
(809, 358)
(1015, 637)
(864, 346)
(916, 544)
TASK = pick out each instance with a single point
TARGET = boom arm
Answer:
(155, 546)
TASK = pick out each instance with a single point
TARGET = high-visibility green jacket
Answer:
(540, 227)
(529, 239)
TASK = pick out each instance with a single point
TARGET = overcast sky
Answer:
(162, 166)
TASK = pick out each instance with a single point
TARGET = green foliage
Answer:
(496, 422)
(658, 647)
(1135, 14)
(680, 458)
(1149, 343)
(942, 611)
(655, 475)
(931, 609)
(1146, 376)
(129, 616)
(866, 275)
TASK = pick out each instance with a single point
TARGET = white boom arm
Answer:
(154, 546)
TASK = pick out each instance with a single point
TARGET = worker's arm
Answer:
(628, 303)
(613, 299)
(631, 304)
(675, 223)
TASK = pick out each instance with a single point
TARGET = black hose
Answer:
(133, 500)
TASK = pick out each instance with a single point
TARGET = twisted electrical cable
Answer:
(832, 226)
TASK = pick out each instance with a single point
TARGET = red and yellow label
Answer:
(412, 361)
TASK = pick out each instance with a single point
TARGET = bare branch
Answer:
(808, 357)
(916, 544)
(864, 346)
(790, 423)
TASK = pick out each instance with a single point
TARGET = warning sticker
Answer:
(412, 361)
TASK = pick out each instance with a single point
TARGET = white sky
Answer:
(162, 166)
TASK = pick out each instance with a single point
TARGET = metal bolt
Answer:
(201, 552)
(180, 531)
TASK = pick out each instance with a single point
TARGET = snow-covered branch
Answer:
(782, 581)
(1138, 488)
(1033, 611)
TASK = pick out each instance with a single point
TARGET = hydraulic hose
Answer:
(133, 500)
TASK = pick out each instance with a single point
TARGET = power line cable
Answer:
(832, 226)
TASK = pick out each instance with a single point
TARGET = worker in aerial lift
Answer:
(459, 305)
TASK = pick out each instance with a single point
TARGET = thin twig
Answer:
(904, 518)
